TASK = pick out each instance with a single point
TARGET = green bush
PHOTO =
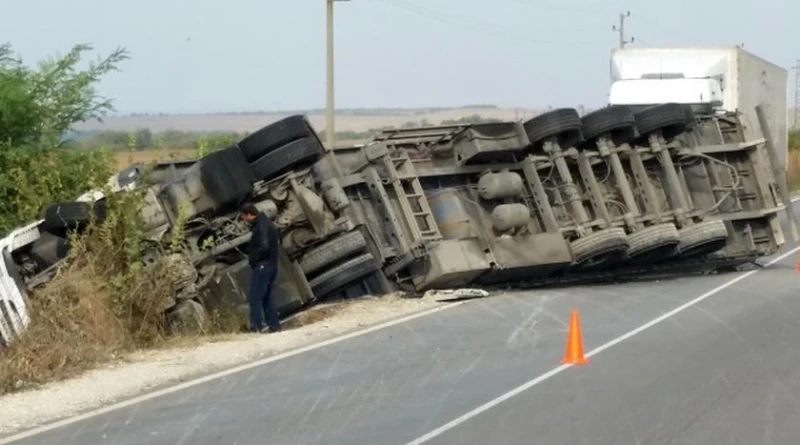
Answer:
(794, 140)
(37, 107)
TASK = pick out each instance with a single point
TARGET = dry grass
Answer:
(79, 321)
(101, 302)
(74, 328)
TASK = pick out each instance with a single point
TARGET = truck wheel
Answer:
(275, 135)
(337, 277)
(564, 123)
(616, 121)
(600, 249)
(653, 243)
(669, 118)
(187, 316)
(703, 239)
(336, 249)
(226, 176)
(49, 249)
(75, 215)
(302, 152)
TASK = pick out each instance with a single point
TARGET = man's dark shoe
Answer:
(268, 330)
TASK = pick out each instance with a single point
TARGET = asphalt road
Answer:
(724, 370)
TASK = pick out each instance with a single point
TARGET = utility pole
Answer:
(621, 29)
(797, 94)
(330, 131)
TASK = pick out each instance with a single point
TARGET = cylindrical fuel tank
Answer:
(450, 214)
(510, 216)
(504, 184)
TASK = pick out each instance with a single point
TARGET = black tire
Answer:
(669, 118)
(601, 249)
(72, 215)
(616, 122)
(300, 153)
(691, 119)
(48, 250)
(653, 243)
(337, 277)
(226, 176)
(275, 135)
(563, 123)
(703, 239)
(333, 250)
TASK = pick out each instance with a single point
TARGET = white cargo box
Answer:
(745, 80)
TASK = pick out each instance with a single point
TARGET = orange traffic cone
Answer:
(574, 353)
(797, 267)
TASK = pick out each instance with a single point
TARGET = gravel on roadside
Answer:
(142, 371)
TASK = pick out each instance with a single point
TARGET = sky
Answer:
(202, 56)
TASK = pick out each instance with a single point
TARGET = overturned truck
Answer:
(620, 191)
(561, 197)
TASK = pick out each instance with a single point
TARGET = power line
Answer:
(643, 42)
(670, 31)
(553, 7)
(471, 24)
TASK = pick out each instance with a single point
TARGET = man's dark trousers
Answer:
(260, 298)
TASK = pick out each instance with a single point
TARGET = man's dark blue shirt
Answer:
(263, 241)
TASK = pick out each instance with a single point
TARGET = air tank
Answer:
(504, 184)
(510, 216)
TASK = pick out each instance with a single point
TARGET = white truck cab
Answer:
(14, 303)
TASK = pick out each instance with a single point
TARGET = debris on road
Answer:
(447, 295)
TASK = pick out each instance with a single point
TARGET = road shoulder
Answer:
(146, 371)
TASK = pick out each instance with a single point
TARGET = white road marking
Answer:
(225, 373)
(530, 384)
(425, 438)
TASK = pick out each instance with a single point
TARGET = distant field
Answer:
(125, 159)
(250, 122)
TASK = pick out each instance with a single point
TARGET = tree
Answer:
(144, 139)
(37, 108)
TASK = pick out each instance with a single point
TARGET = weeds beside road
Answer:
(102, 301)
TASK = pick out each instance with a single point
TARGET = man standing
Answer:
(263, 258)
